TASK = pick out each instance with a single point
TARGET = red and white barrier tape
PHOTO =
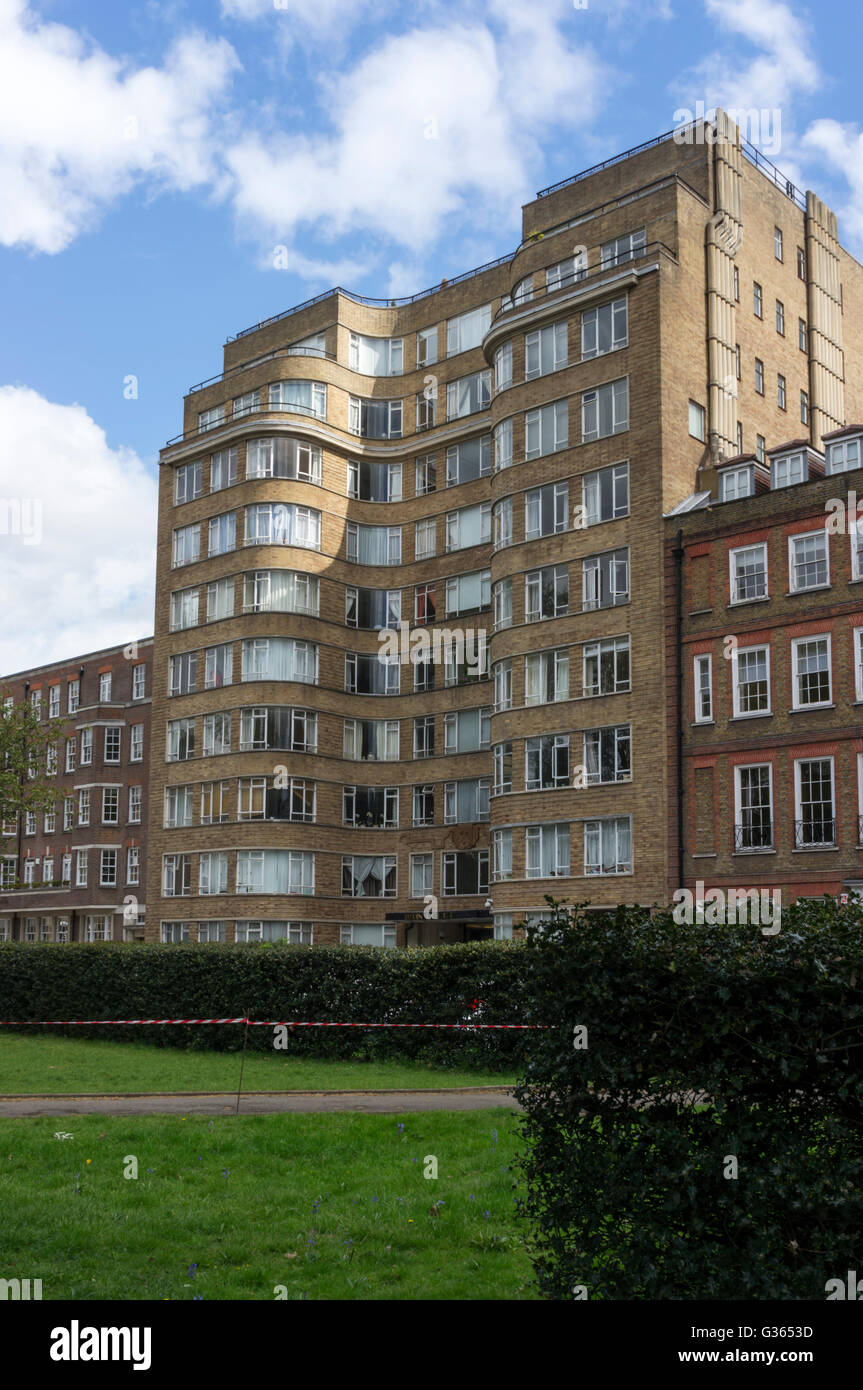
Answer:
(253, 1023)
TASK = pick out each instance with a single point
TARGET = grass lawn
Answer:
(42, 1064)
(324, 1206)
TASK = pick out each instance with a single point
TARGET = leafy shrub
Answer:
(704, 1043)
(359, 984)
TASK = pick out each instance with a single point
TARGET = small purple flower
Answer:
(226, 1172)
(471, 1197)
(376, 1199)
(197, 1296)
(399, 1128)
(486, 1214)
(192, 1269)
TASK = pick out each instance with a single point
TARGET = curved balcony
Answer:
(582, 287)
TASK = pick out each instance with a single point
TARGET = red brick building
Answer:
(78, 873)
(770, 615)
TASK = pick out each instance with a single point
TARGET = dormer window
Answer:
(788, 470)
(843, 455)
(735, 483)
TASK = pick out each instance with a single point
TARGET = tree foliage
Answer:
(694, 1114)
(25, 741)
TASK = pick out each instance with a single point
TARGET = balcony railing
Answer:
(815, 833)
(258, 361)
(754, 834)
(282, 409)
(374, 303)
(587, 278)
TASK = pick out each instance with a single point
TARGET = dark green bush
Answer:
(703, 1042)
(322, 983)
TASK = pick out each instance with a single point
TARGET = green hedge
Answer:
(339, 983)
(703, 1042)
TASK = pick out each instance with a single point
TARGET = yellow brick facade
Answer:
(665, 195)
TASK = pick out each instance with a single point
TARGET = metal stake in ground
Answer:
(243, 1061)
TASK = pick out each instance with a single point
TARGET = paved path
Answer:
(262, 1103)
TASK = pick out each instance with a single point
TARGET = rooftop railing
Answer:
(752, 153)
(396, 303)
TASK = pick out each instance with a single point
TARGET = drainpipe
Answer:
(678, 626)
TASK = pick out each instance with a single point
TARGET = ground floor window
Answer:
(174, 932)
(211, 931)
(97, 927)
(367, 934)
(297, 933)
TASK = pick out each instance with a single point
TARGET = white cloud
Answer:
(842, 147)
(418, 122)
(320, 16)
(545, 77)
(783, 69)
(80, 573)
(79, 128)
(424, 127)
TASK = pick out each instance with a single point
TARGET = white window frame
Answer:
(735, 680)
(591, 319)
(730, 488)
(701, 664)
(782, 470)
(619, 412)
(798, 803)
(738, 801)
(467, 330)
(793, 586)
(551, 342)
(796, 642)
(593, 827)
(546, 429)
(734, 578)
(840, 458)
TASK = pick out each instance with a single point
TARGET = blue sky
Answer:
(154, 156)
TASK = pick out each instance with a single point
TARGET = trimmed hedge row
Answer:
(710, 1050)
(339, 983)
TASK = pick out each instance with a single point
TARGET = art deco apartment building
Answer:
(496, 454)
(770, 564)
(77, 873)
